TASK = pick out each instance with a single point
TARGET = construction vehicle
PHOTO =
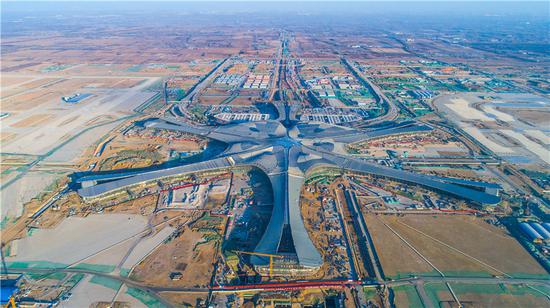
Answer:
(271, 256)
(11, 302)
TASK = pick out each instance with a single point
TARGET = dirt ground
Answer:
(77, 238)
(239, 68)
(456, 173)
(406, 296)
(536, 116)
(243, 101)
(27, 101)
(5, 137)
(313, 214)
(136, 152)
(501, 300)
(23, 84)
(468, 234)
(182, 217)
(212, 100)
(494, 296)
(395, 257)
(10, 81)
(17, 228)
(143, 206)
(214, 91)
(183, 299)
(401, 299)
(181, 254)
(33, 120)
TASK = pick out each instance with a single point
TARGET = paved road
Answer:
(149, 290)
(392, 108)
(40, 158)
(426, 300)
(418, 282)
(205, 81)
(41, 76)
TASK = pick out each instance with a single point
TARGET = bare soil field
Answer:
(40, 135)
(72, 150)
(114, 255)
(406, 296)
(85, 294)
(11, 81)
(457, 173)
(142, 206)
(27, 85)
(181, 254)
(537, 117)
(244, 100)
(313, 214)
(239, 68)
(135, 151)
(479, 295)
(467, 234)
(27, 101)
(27, 188)
(5, 137)
(32, 121)
(212, 100)
(69, 120)
(388, 50)
(263, 68)
(396, 258)
(250, 92)
(76, 238)
(215, 91)
(184, 299)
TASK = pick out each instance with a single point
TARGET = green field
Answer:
(412, 298)
(106, 282)
(145, 298)
(489, 295)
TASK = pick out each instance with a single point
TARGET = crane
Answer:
(271, 256)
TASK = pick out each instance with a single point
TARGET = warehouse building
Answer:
(540, 230)
(531, 233)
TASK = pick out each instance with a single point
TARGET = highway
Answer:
(276, 80)
(205, 81)
(258, 137)
(296, 285)
(50, 201)
(349, 249)
(392, 110)
(450, 161)
(366, 247)
(152, 291)
(189, 98)
(24, 170)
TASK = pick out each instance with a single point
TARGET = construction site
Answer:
(272, 160)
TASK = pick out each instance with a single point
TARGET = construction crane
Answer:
(271, 256)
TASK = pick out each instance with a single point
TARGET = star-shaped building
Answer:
(286, 150)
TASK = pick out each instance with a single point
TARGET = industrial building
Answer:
(535, 232)
(541, 230)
